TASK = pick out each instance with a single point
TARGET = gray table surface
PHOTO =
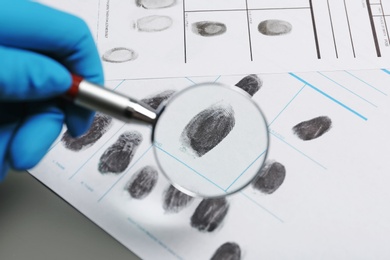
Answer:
(37, 224)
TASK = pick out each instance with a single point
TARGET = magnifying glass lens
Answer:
(210, 140)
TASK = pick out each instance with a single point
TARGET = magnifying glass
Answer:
(210, 140)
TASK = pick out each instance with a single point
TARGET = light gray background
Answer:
(37, 224)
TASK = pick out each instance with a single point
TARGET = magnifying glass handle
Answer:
(97, 98)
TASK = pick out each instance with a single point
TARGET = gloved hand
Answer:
(39, 47)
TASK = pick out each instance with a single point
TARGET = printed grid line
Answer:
(365, 82)
(347, 89)
(299, 151)
(288, 104)
(329, 97)
(261, 206)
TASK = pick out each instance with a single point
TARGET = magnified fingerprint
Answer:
(208, 128)
(270, 177)
(100, 125)
(227, 251)
(208, 28)
(156, 100)
(175, 200)
(119, 55)
(119, 155)
(142, 182)
(209, 214)
(313, 128)
(251, 84)
(154, 23)
(274, 27)
(155, 4)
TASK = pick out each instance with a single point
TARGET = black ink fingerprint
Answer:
(270, 177)
(155, 4)
(119, 155)
(274, 27)
(154, 23)
(142, 182)
(207, 28)
(100, 125)
(208, 128)
(227, 251)
(175, 200)
(119, 55)
(156, 100)
(209, 214)
(313, 128)
(251, 84)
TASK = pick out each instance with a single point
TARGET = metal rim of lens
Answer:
(161, 111)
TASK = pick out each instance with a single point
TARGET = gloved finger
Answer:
(26, 75)
(34, 136)
(6, 131)
(78, 119)
(66, 38)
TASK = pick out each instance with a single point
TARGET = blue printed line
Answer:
(287, 105)
(380, 91)
(154, 238)
(95, 153)
(328, 96)
(191, 80)
(262, 207)
(119, 84)
(189, 167)
(311, 159)
(217, 78)
(123, 175)
(347, 89)
(245, 170)
(385, 70)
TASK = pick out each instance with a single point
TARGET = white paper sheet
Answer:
(332, 203)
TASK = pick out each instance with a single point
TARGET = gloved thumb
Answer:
(28, 76)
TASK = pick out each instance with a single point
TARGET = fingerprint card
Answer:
(322, 190)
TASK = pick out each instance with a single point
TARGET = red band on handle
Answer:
(74, 88)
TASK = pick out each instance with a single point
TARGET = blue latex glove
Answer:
(39, 47)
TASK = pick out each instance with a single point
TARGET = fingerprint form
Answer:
(207, 28)
(119, 55)
(208, 128)
(251, 84)
(155, 4)
(209, 214)
(156, 100)
(154, 23)
(313, 128)
(142, 182)
(100, 125)
(274, 27)
(175, 200)
(119, 155)
(270, 177)
(227, 251)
